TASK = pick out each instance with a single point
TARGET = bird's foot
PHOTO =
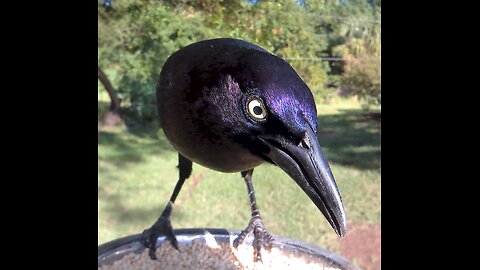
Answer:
(163, 226)
(261, 238)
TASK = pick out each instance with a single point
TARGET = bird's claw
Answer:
(161, 227)
(261, 238)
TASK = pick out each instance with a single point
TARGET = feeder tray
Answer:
(212, 249)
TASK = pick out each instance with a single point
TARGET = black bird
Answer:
(230, 105)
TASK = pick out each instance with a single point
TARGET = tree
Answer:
(362, 78)
(353, 28)
(112, 93)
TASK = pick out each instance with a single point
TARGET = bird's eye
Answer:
(256, 109)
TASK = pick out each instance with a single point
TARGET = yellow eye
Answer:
(256, 109)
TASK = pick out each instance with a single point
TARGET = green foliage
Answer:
(136, 40)
(358, 40)
(136, 37)
(362, 78)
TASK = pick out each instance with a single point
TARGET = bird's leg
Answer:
(260, 235)
(163, 225)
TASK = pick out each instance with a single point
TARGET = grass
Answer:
(137, 173)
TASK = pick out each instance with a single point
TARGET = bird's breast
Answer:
(204, 130)
(217, 152)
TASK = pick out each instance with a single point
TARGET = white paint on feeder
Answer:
(210, 240)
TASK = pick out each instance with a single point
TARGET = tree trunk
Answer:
(115, 101)
(112, 116)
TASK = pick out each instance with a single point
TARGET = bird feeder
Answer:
(212, 249)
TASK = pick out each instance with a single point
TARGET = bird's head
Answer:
(281, 121)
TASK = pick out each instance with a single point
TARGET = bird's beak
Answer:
(306, 164)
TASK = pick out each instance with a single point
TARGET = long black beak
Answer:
(306, 164)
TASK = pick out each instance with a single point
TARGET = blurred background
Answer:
(333, 45)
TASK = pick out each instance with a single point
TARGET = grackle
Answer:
(230, 105)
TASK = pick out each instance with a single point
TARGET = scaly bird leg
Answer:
(163, 225)
(261, 238)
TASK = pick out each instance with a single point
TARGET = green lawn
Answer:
(137, 173)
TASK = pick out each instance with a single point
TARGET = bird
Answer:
(231, 106)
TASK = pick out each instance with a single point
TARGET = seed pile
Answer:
(197, 255)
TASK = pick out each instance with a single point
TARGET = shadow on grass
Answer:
(351, 138)
(124, 149)
(131, 145)
(116, 210)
